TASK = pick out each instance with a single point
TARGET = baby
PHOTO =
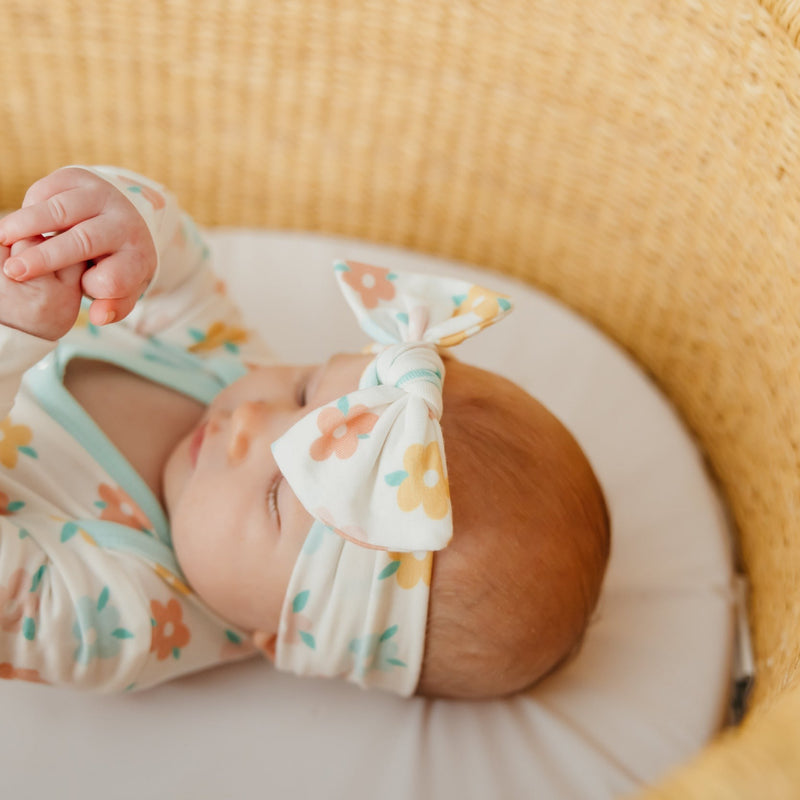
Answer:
(172, 497)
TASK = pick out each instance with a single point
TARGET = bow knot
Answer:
(415, 367)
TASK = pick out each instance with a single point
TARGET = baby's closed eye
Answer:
(272, 498)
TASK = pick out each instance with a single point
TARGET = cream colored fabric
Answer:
(637, 159)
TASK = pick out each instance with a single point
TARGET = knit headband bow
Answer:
(371, 464)
(370, 468)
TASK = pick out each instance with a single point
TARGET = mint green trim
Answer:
(116, 536)
(200, 379)
(421, 374)
(65, 409)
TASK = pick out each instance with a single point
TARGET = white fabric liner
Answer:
(648, 689)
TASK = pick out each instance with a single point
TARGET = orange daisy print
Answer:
(341, 427)
(118, 506)
(8, 672)
(170, 634)
(371, 283)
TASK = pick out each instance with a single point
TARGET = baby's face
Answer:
(237, 527)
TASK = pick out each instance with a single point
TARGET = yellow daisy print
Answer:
(15, 440)
(172, 580)
(485, 304)
(424, 481)
(219, 334)
(408, 569)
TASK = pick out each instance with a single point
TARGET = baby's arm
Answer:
(153, 246)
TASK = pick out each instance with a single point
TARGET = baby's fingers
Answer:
(56, 212)
(103, 312)
(90, 239)
(115, 283)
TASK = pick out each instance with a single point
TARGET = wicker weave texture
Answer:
(637, 158)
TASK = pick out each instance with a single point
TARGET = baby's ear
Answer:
(265, 642)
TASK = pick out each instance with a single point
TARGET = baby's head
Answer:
(512, 594)
(296, 473)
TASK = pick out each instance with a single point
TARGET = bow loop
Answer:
(416, 368)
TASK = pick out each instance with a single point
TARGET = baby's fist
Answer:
(46, 306)
(94, 223)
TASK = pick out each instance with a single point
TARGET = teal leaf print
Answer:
(389, 570)
(37, 578)
(503, 303)
(340, 266)
(458, 299)
(231, 347)
(343, 404)
(391, 276)
(196, 334)
(23, 534)
(102, 601)
(316, 537)
(363, 436)
(299, 602)
(29, 451)
(388, 633)
(29, 629)
(308, 640)
(68, 531)
(396, 478)
(402, 317)
(233, 637)
(376, 652)
(97, 629)
(15, 505)
(101, 504)
(176, 653)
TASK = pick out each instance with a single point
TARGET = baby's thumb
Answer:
(107, 310)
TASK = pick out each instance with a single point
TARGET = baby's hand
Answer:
(46, 306)
(93, 222)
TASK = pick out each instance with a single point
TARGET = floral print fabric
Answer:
(85, 597)
(370, 468)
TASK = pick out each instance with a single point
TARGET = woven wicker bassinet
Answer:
(638, 159)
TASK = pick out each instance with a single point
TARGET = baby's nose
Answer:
(246, 422)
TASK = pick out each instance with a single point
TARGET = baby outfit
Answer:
(90, 592)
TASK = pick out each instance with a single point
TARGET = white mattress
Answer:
(648, 689)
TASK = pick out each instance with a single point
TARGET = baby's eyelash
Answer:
(272, 499)
(301, 392)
